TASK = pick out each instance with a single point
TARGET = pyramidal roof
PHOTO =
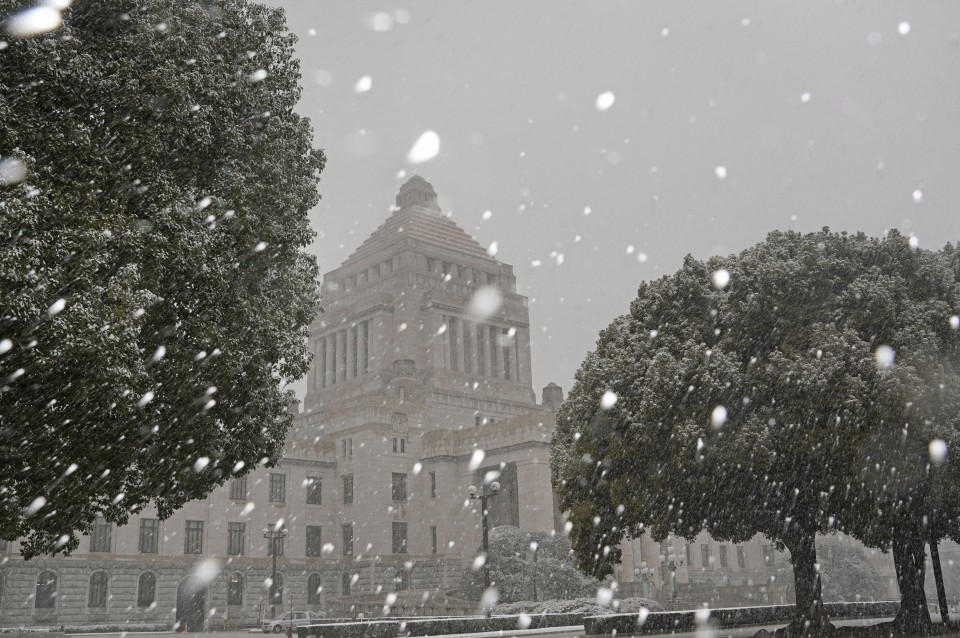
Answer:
(418, 217)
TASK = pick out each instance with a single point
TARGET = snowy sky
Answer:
(728, 120)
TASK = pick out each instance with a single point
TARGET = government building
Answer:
(420, 387)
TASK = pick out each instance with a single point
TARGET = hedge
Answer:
(111, 628)
(389, 628)
(666, 621)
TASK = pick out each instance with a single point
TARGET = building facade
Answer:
(420, 387)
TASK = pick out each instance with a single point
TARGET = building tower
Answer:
(422, 365)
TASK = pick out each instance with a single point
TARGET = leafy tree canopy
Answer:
(518, 571)
(155, 290)
(790, 390)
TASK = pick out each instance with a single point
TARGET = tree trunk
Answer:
(908, 558)
(938, 577)
(809, 618)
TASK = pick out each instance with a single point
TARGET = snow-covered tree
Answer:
(154, 288)
(846, 571)
(758, 393)
(520, 571)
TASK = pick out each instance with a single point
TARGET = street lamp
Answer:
(672, 564)
(482, 497)
(645, 574)
(274, 535)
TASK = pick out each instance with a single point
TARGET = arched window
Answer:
(98, 590)
(46, 597)
(235, 589)
(314, 588)
(147, 589)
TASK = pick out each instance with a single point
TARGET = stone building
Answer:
(420, 387)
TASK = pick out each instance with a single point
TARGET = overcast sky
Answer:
(728, 120)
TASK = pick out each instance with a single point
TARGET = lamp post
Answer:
(645, 574)
(482, 497)
(273, 535)
(672, 564)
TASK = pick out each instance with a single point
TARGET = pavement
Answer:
(550, 632)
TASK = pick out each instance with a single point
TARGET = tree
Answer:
(155, 292)
(517, 571)
(752, 394)
(848, 575)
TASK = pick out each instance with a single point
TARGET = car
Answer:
(290, 619)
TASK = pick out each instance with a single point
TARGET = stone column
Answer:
(341, 355)
(351, 370)
(470, 346)
(363, 347)
(319, 363)
(460, 344)
(330, 365)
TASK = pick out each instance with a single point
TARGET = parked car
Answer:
(290, 619)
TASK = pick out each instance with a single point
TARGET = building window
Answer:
(98, 590)
(193, 539)
(741, 557)
(314, 588)
(347, 488)
(46, 597)
(399, 445)
(314, 541)
(238, 489)
(433, 539)
(686, 550)
(399, 537)
(346, 448)
(149, 535)
(398, 487)
(278, 488)
(314, 490)
(345, 580)
(768, 554)
(3, 546)
(146, 589)
(705, 555)
(481, 349)
(100, 535)
(236, 538)
(347, 531)
(723, 556)
(433, 485)
(401, 580)
(235, 589)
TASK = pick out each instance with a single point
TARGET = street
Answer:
(557, 632)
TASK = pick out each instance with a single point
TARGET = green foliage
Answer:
(818, 436)
(513, 569)
(165, 204)
(847, 573)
